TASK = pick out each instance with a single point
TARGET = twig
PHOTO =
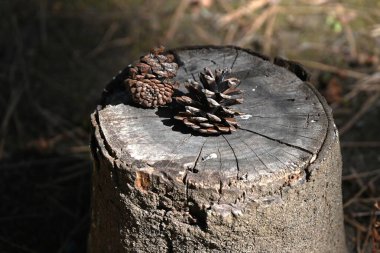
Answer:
(226, 6)
(268, 35)
(369, 200)
(2, 145)
(358, 240)
(375, 32)
(375, 222)
(43, 17)
(369, 232)
(259, 21)
(15, 245)
(204, 35)
(369, 83)
(365, 107)
(16, 92)
(360, 144)
(120, 42)
(351, 40)
(65, 126)
(344, 15)
(63, 208)
(79, 149)
(365, 214)
(37, 162)
(106, 38)
(69, 177)
(230, 34)
(358, 180)
(355, 224)
(21, 217)
(360, 192)
(15, 97)
(333, 69)
(243, 10)
(363, 174)
(75, 229)
(178, 15)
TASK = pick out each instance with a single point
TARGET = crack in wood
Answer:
(278, 102)
(192, 74)
(291, 154)
(193, 169)
(246, 75)
(186, 71)
(107, 146)
(325, 109)
(220, 156)
(307, 137)
(307, 121)
(94, 148)
(255, 154)
(296, 162)
(289, 127)
(271, 126)
(169, 243)
(278, 159)
(278, 116)
(220, 192)
(198, 213)
(236, 159)
(234, 61)
(178, 147)
(210, 60)
(282, 125)
(279, 141)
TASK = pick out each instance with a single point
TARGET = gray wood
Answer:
(273, 185)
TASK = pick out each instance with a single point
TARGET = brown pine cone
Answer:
(206, 106)
(150, 80)
(150, 92)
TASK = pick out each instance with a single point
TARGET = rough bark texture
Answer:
(272, 186)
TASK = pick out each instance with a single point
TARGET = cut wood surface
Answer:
(163, 168)
(281, 130)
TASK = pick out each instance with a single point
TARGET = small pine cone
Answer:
(206, 106)
(150, 81)
(150, 92)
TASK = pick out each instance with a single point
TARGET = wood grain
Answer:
(281, 130)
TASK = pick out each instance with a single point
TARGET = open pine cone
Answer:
(207, 108)
(150, 81)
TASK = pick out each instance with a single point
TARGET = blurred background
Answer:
(56, 56)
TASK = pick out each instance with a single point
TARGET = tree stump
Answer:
(274, 185)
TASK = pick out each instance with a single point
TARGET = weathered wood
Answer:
(272, 186)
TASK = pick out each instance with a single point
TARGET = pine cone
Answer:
(150, 80)
(207, 108)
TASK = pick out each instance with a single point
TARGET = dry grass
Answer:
(56, 57)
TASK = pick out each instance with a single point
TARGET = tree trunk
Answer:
(274, 185)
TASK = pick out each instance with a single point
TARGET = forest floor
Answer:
(57, 56)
